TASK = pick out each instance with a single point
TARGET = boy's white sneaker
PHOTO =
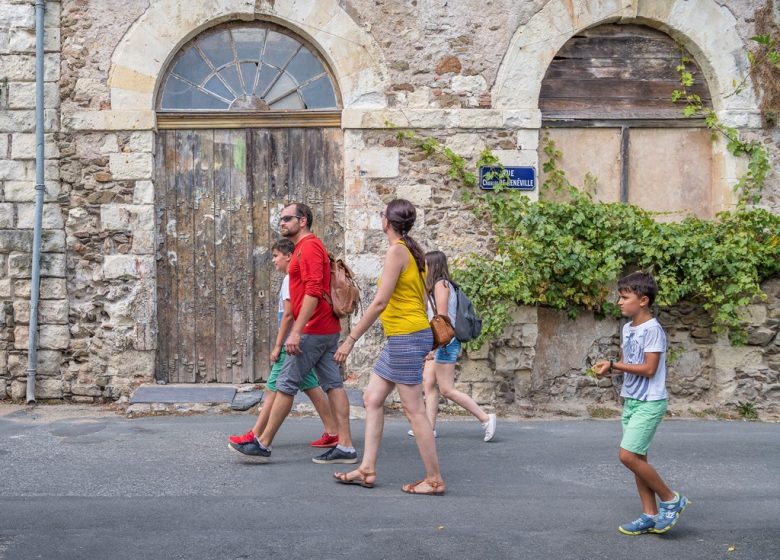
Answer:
(490, 427)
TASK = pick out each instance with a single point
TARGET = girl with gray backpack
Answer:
(440, 365)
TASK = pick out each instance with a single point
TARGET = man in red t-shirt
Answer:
(312, 341)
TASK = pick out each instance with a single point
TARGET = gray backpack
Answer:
(467, 324)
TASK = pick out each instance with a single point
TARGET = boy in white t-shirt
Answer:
(643, 365)
(281, 253)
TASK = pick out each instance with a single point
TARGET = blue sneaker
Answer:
(252, 451)
(669, 513)
(336, 456)
(644, 524)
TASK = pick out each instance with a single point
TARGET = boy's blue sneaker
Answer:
(252, 451)
(644, 524)
(669, 513)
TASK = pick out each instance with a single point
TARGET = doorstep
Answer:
(190, 398)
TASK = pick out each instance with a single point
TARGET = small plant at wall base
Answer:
(567, 255)
(747, 411)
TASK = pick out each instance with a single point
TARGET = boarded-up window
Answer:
(606, 101)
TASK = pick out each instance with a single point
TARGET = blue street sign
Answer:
(519, 178)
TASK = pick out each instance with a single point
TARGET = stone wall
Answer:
(465, 72)
(17, 196)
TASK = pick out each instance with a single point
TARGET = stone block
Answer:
(24, 191)
(23, 146)
(52, 241)
(528, 139)
(6, 291)
(119, 266)
(480, 354)
(419, 194)
(143, 192)
(372, 162)
(48, 388)
(86, 390)
(49, 363)
(131, 364)
(16, 170)
(51, 288)
(483, 393)
(511, 359)
(21, 95)
(21, 67)
(52, 216)
(23, 41)
(20, 337)
(132, 217)
(18, 389)
(110, 120)
(524, 314)
(16, 120)
(54, 337)
(7, 214)
(144, 242)
(20, 265)
(131, 165)
(17, 15)
(474, 371)
(140, 142)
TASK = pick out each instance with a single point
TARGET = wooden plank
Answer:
(296, 174)
(608, 88)
(278, 198)
(165, 203)
(315, 184)
(264, 301)
(621, 30)
(233, 247)
(204, 251)
(619, 48)
(184, 258)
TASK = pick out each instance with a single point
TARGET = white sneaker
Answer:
(490, 427)
(411, 433)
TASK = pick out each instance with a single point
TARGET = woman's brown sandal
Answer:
(436, 488)
(359, 480)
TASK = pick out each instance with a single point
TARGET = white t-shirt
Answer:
(284, 293)
(647, 337)
(452, 303)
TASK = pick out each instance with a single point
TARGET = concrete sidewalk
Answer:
(168, 487)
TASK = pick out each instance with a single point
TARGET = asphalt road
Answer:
(168, 487)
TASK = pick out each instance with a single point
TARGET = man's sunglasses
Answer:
(286, 219)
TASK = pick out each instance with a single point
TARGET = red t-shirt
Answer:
(309, 272)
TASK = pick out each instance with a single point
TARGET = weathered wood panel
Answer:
(220, 194)
(184, 258)
(616, 71)
(205, 255)
(264, 303)
(677, 180)
(232, 225)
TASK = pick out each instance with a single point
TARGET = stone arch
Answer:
(145, 50)
(707, 30)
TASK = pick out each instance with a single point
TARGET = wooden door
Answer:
(219, 196)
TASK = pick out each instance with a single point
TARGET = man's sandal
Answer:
(360, 480)
(435, 489)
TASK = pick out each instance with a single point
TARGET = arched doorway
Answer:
(248, 116)
(606, 102)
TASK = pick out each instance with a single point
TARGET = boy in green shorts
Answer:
(281, 253)
(643, 365)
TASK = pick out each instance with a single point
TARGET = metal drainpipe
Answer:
(40, 187)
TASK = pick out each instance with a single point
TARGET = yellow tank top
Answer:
(405, 312)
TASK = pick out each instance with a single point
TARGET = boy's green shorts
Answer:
(309, 382)
(640, 420)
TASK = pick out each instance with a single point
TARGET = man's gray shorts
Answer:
(317, 352)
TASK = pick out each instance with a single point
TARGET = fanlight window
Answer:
(246, 67)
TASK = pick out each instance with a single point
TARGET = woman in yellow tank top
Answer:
(400, 302)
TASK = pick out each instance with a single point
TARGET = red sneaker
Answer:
(326, 440)
(242, 439)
